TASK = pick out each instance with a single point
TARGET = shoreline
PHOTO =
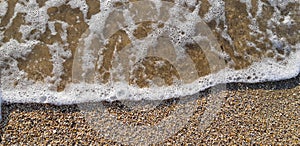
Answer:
(56, 42)
(260, 113)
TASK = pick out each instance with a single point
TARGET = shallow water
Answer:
(74, 51)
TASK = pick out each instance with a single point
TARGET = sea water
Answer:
(150, 50)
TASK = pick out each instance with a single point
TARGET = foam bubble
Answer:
(3, 8)
(186, 27)
(76, 93)
(81, 4)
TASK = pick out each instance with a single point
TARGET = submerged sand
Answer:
(266, 114)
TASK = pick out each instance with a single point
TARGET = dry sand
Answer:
(265, 114)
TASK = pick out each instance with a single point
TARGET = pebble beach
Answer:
(252, 114)
(45, 37)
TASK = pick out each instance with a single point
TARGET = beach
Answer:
(260, 114)
(249, 47)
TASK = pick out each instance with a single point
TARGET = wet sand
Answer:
(265, 113)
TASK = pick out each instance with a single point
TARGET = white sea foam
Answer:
(3, 8)
(268, 69)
